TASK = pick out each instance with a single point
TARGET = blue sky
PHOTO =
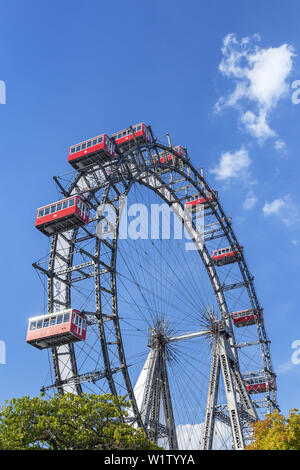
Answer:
(75, 69)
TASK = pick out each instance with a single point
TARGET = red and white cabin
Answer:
(196, 199)
(63, 215)
(91, 151)
(245, 317)
(165, 156)
(259, 384)
(125, 138)
(56, 329)
(226, 255)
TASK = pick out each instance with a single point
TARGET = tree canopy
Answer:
(277, 432)
(69, 422)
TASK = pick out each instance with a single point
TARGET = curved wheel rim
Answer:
(107, 184)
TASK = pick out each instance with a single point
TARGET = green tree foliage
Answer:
(276, 432)
(69, 422)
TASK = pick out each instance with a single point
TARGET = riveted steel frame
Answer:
(108, 183)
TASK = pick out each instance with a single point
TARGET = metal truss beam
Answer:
(157, 391)
(79, 379)
(240, 408)
(114, 179)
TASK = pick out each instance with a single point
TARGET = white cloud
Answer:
(232, 165)
(260, 77)
(273, 207)
(257, 125)
(283, 208)
(285, 367)
(189, 436)
(280, 146)
(270, 68)
(250, 201)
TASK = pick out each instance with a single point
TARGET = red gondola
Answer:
(55, 329)
(165, 156)
(196, 199)
(226, 255)
(124, 138)
(245, 317)
(62, 215)
(90, 151)
(259, 384)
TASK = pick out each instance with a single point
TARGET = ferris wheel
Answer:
(149, 295)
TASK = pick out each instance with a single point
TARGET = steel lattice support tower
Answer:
(82, 257)
(224, 363)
